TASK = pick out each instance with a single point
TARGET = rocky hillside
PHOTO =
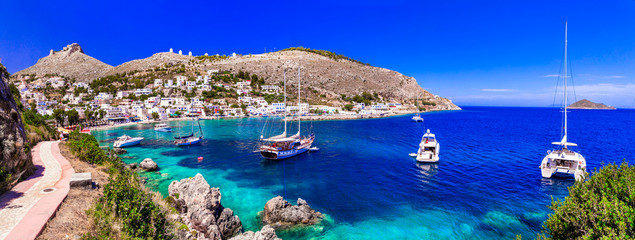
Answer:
(586, 104)
(15, 160)
(70, 62)
(325, 78)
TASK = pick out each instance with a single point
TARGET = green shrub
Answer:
(139, 216)
(86, 147)
(603, 207)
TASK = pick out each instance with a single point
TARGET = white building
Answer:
(278, 107)
(158, 83)
(270, 89)
(142, 91)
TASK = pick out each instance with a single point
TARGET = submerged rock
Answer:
(200, 208)
(148, 164)
(132, 166)
(281, 214)
(266, 233)
(119, 151)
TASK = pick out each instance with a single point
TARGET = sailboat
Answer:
(564, 162)
(190, 139)
(282, 146)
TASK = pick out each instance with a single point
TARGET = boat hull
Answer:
(279, 155)
(575, 169)
(127, 144)
(188, 143)
(163, 129)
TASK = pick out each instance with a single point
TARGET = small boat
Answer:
(428, 149)
(162, 127)
(190, 139)
(127, 141)
(417, 118)
(564, 162)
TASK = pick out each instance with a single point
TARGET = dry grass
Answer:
(71, 219)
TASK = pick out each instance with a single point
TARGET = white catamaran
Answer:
(282, 146)
(564, 162)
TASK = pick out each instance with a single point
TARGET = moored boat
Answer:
(563, 162)
(428, 149)
(127, 141)
(417, 118)
(282, 146)
(162, 127)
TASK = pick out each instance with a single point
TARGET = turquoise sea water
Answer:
(487, 184)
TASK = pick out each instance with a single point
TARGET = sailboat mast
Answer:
(284, 79)
(298, 100)
(565, 79)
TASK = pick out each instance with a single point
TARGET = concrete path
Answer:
(27, 207)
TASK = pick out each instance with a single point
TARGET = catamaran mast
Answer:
(298, 101)
(565, 83)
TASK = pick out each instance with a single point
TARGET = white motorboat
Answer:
(127, 141)
(428, 149)
(417, 118)
(282, 146)
(162, 127)
(563, 162)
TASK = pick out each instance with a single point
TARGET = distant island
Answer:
(586, 104)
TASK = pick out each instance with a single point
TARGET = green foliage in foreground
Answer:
(603, 207)
(325, 53)
(5, 178)
(124, 204)
(86, 147)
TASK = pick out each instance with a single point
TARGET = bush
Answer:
(86, 148)
(139, 215)
(602, 207)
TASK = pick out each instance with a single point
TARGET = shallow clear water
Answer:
(487, 184)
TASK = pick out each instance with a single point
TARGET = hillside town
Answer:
(182, 96)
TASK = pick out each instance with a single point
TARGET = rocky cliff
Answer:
(15, 159)
(200, 208)
(69, 62)
(586, 104)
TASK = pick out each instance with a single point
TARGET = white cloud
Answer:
(552, 75)
(600, 77)
(606, 89)
(497, 90)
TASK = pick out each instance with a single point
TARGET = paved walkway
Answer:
(27, 207)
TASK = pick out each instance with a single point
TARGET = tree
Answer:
(155, 116)
(89, 115)
(73, 117)
(178, 113)
(102, 113)
(602, 207)
(234, 105)
(59, 115)
(348, 107)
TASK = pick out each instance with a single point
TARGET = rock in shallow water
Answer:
(201, 210)
(266, 233)
(119, 151)
(148, 164)
(281, 214)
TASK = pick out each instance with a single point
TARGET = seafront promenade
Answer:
(27, 207)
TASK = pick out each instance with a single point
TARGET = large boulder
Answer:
(281, 214)
(266, 233)
(15, 159)
(200, 208)
(148, 165)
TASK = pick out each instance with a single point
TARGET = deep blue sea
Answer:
(487, 184)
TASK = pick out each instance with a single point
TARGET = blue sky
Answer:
(489, 53)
